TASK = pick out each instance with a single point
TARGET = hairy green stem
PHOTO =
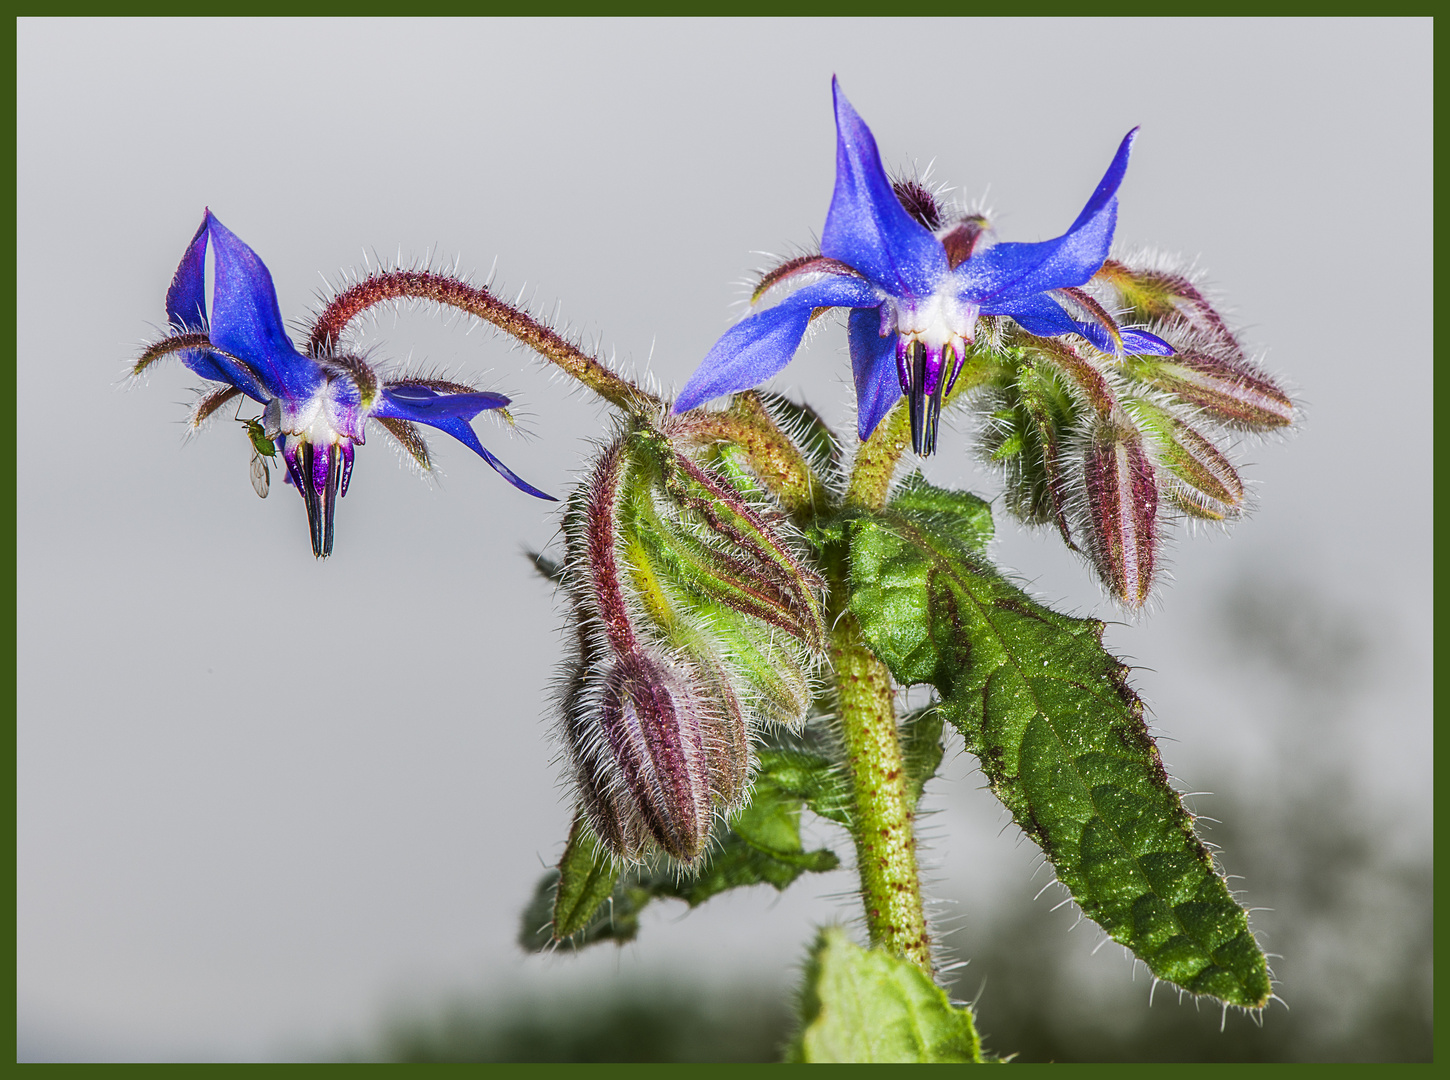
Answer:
(876, 460)
(883, 821)
(884, 826)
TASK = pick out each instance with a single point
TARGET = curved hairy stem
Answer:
(166, 346)
(393, 285)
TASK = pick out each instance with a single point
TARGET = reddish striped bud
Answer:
(1228, 388)
(649, 768)
(1121, 511)
(1203, 482)
(1163, 297)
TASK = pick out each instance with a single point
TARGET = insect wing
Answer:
(261, 476)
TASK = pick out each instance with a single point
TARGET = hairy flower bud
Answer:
(1164, 297)
(1227, 387)
(653, 762)
(1121, 511)
(1204, 482)
(696, 621)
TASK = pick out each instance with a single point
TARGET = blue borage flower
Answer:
(915, 294)
(315, 407)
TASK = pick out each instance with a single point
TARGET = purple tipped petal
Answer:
(866, 227)
(757, 347)
(873, 363)
(459, 429)
(246, 320)
(424, 406)
(1045, 317)
(1142, 343)
(1014, 271)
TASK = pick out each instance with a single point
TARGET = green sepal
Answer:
(864, 1005)
(1061, 739)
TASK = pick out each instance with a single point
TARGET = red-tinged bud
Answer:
(1121, 511)
(1204, 482)
(1231, 390)
(645, 763)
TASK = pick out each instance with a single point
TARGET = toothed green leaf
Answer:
(957, 514)
(861, 1005)
(1061, 738)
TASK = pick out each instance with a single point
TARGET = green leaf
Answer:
(616, 919)
(860, 1005)
(588, 874)
(1061, 738)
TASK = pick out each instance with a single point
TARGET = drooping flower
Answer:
(916, 288)
(315, 407)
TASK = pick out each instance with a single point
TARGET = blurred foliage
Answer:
(627, 1020)
(1354, 927)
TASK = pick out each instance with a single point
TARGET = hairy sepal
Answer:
(1061, 738)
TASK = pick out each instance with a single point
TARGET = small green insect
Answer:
(262, 448)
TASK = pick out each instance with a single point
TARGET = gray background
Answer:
(262, 800)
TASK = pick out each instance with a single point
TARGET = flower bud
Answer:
(646, 767)
(1121, 511)
(1034, 413)
(696, 621)
(1228, 388)
(1205, 483)
(1163, 297)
